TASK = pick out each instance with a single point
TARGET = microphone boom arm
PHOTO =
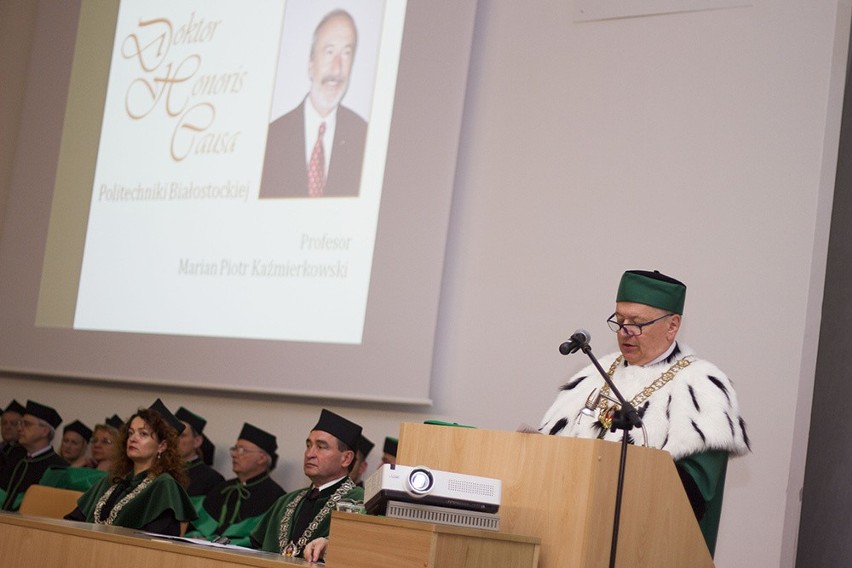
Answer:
(629, 418)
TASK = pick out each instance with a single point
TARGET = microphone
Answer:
(577, 341)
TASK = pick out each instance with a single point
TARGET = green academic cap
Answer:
(652, 289)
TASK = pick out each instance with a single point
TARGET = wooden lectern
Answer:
(562, 490)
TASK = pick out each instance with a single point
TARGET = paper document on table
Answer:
(199, 541)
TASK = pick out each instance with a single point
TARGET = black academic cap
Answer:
(344, 430)
(15, 406)
(391, 445)
(80, 428)
(197, 422)
(208, 449)
(114, 421)
(43, 412)
(167, 415)
(365, 446)
(263, 439)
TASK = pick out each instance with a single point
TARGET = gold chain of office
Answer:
(295, 548)
(113, 514)
(607, 411)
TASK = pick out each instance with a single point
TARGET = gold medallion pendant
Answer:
(606, 416)
(291, 550)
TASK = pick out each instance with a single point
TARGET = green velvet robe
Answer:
(266, 535)
(163, 495)
(75, 478)
(707, 471)
(233, 509)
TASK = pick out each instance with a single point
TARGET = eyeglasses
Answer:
(240, 450)
(106, 441)
(29, 423)
(631, 329)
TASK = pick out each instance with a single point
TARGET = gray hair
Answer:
(340, 12)
(51, 431)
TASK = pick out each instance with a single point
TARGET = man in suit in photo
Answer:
(317, 149)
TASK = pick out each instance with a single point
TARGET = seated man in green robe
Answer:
(202, 477)
(231, 510)
(305, 515)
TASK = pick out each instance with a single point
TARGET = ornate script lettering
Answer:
(176, 86)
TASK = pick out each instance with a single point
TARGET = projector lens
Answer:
(420, 481)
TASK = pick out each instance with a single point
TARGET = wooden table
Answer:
(358, 541)
(53, 543)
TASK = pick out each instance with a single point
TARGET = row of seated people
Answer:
(157, 480)
(80, 446)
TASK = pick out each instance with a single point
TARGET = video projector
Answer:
(425, 486)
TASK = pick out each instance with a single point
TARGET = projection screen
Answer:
(161, 228)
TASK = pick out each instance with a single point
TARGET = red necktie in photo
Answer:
(316, 167)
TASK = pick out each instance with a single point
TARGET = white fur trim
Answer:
(672, 421)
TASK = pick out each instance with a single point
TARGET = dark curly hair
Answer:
(167, 462)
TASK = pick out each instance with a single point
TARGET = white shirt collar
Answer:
(329, 484)
(39, 452)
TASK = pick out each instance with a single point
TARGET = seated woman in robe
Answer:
(75, 442)
(104, 440)
(104, 443)
(145, 488)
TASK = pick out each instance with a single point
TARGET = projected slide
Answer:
(237, 194)
(198, 202)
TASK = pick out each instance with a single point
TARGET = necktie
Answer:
(316, 166)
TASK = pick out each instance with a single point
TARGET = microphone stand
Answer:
(628, 419)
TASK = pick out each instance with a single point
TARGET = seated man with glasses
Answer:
(690, 407)
(36, 431)
(231, 510)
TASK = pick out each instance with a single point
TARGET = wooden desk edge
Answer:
(133, 537)
(432, 527)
